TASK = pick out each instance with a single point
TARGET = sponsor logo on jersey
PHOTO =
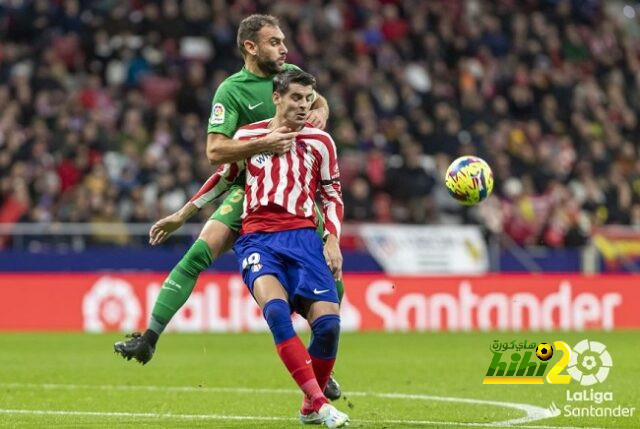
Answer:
(260, 159)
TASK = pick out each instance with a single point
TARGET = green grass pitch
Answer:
(390, 380)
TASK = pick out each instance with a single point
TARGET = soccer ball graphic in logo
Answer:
(590, 363)
(469, 180)
(544, 351)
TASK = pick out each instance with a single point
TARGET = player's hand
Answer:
(280, 140)
(318, 118)
(162, 229)
(333, 256)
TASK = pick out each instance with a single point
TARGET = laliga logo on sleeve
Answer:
(110, 305)
(590, 363)
(217, 114)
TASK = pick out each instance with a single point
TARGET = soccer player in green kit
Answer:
(243, 98)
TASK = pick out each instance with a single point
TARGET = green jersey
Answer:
(241, 99)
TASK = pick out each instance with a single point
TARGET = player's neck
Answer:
(253, 68)
(278, 122)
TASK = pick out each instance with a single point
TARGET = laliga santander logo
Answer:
(111, 305)
(590, 363)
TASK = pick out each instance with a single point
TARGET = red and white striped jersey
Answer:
(280, 190)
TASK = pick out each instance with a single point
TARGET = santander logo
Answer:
(466, 309)
(221, 303)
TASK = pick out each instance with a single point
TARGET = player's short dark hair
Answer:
(250, 26)
(284, 79)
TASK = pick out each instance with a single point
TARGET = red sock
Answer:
(307, 406)
(297, 360)
(322, 369)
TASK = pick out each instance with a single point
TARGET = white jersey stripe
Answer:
(295, 191)
(251, 183)
(267, 183)
(282, 180)
(308, 203)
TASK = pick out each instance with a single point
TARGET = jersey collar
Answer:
(255, 76)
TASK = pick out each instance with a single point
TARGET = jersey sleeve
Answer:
(330, 189)
(219, 182)
(224, 112)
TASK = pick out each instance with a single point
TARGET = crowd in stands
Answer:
(104, 105)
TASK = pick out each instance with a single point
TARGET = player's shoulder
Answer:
(231, 81)
(309, 131)
(253, 129)
(234, 78)
(318, 138)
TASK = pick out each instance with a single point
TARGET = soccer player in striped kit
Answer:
(281, 257)
(243, 98)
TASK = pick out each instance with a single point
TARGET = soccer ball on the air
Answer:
(469, 180)
(544, 351)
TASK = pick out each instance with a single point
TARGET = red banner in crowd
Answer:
(97, 302)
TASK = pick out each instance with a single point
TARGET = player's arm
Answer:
(162, 229)
(219, 182)
(319, 113)
(222, 149)
(332, 206)
(223, 123)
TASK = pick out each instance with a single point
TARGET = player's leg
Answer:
(265, 273)
(216, 237)
(316, 298)
(332, 389)
(324, 320)
(272, 299)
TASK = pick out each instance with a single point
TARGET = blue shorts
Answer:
(294, 257)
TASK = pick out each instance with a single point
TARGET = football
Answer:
(544, 351)
(469, 180)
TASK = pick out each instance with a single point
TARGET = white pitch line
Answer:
(533, 413)
(150, 388)
(143, 415)
(112, 414)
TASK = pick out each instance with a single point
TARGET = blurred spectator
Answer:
(357, 201)
(103, 107)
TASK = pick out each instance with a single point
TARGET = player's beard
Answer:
(268, 67)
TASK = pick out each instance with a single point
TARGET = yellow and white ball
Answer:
(469, 180)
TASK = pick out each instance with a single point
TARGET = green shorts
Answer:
(230, 211)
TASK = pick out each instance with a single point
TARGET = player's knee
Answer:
(278, 316)
(326, 334)
(217, 235)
